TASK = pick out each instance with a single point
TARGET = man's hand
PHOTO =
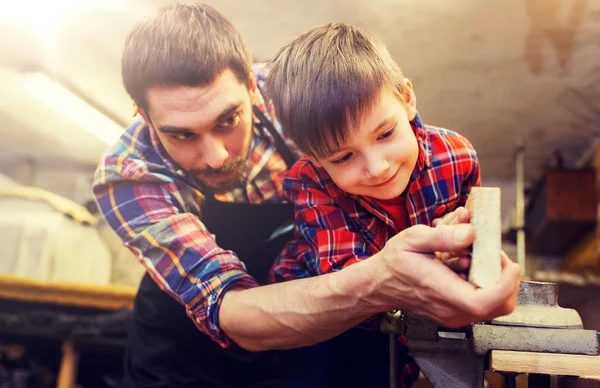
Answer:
(408, 277)
(459, 262)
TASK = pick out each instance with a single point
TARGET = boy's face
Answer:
(379, 156)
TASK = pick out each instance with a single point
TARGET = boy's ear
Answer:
(411, 99)
(314, 161)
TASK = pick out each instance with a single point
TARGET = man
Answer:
(195, 191)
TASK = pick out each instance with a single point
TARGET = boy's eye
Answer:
(231, 121)
(182, 135)
(387, 134)
(342, 159)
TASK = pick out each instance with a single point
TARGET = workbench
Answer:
(73, 304)
(574, 370)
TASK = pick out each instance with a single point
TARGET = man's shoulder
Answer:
(132, 157)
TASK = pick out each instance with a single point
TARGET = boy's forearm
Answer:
(300, 312)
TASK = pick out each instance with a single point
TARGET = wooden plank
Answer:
(578, 382)
(484, 206)
(544, 363)
(110, 297)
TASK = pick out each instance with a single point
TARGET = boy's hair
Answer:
(323, 82)
(182, 44)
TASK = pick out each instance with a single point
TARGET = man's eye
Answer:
(182, 135)
(387, 133)
(342, 159)
(230, 122)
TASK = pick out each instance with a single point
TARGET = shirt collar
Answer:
(424, 157)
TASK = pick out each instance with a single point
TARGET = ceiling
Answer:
(493, 71)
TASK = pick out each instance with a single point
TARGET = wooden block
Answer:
(544, 363)
(484, 206)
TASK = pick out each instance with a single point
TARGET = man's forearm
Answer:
(300, 312)
(401, 276)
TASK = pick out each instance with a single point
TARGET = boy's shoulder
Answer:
(439, 136)
(304, 169)
(444, 143)
(304, 174)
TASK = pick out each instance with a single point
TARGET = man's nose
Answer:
(214, 152)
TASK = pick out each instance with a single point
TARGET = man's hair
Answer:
(182, 44)
(323, 83)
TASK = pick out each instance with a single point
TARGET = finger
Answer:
(445, 256)
(501, 298)
(462, 215)
(446, 289)
(425, 239)
(458, 263)
(459, 216)
(441, 221)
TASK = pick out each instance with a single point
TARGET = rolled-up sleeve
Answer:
(170, 240)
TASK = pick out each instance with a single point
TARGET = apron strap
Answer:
(283, 149)
(280, 145)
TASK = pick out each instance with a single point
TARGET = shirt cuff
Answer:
(206, 313)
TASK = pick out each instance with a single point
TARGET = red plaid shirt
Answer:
(336, 229)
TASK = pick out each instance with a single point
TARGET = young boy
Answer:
(372, 168)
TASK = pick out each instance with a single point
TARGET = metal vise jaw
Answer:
(456, 357)
(538, 324)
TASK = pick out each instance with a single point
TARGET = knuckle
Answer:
(413, 233)
(479, 310)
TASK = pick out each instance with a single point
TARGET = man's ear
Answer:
(410, 98)
(252, 86)
(145, 116)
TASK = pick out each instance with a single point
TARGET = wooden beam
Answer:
(110, 297)
(544, 363)
(484, 206)
(67, 374)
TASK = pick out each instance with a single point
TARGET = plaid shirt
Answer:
(336, 229)
(155, 209)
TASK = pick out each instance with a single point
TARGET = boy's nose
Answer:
(376, 165)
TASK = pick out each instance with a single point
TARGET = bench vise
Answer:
(457, 357)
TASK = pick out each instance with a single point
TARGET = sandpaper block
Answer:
(484, 206)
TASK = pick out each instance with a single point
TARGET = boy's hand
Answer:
(407, 278)
(459, 262)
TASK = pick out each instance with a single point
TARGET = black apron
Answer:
(165, 349)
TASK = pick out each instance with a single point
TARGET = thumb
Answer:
(425, 239)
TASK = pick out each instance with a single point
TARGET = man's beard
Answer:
(237, 169)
